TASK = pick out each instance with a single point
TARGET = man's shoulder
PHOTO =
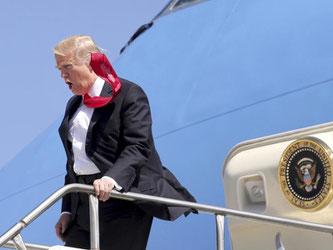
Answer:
(130, 86)
(73, 99)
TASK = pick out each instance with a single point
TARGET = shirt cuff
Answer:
(65, 212)
(116, 185)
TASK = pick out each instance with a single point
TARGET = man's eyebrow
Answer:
(58, 66)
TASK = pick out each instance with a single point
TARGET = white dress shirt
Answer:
(78, 128)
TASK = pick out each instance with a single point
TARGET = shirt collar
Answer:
(96, 88)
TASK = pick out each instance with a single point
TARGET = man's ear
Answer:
(90, 68)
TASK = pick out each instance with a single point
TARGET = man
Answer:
(107, 137)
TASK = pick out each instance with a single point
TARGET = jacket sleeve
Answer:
(66, 200)
(136, 132)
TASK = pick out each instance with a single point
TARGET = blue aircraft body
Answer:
(216, 73)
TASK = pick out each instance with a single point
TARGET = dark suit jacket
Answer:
(120, 143)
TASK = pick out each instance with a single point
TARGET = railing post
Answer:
(94, 222)
(18, 242)
(219, 219)
(15, 230)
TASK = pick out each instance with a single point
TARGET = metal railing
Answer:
(14, 232)
(29, 246)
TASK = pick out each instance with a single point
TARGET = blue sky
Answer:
(33, 94)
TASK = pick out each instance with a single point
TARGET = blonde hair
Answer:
(81, 45)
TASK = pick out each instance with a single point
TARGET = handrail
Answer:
(215, 210)
(10, 244)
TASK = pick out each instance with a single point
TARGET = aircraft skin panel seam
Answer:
(30, 187)
(312, 85)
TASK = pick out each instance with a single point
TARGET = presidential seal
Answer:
(305, 174)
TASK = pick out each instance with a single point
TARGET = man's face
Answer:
(77, 75)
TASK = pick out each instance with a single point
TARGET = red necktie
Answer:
(102, 67)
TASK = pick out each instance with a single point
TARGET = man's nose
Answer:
(64, 74)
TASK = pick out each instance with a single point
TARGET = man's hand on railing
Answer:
(103, 188)
(62, 225)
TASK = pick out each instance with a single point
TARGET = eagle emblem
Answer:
(306, 173)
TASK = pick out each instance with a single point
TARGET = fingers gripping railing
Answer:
(219, 213)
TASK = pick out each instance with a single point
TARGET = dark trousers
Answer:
(123, 225)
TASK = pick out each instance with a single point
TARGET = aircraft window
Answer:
(182, 2)
(172, 6)
(175, 5)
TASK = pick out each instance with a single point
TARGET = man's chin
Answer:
(80, 91)
(75, 92)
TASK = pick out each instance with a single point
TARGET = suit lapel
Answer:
(64, 127)
(106, 92)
